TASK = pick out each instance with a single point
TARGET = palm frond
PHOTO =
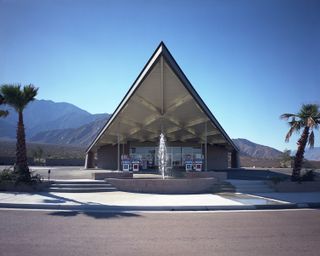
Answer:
(292, 122)
(12, 95)
(286, 116)
(308, 110)
(311, 139)
(30, 92)
(299, 125)
(3, 113)
(288, 136)
(310, 122)
(1, 100)
(317, 119)
(16, 97)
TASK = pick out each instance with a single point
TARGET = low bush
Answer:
(309, 175)
(8, 175)
(12, 176)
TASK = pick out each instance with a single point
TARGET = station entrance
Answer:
(178, 156)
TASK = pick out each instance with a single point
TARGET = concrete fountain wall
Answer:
(221, 176)
(111, 174)
(166, 186)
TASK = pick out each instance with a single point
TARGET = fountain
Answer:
(162, 155)
(165, 186)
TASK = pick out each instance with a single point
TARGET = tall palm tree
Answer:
(308, 119)
(18, 98)
(3, 113)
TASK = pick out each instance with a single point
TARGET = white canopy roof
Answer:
(162, 100)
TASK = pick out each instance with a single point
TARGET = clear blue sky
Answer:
(250, 61)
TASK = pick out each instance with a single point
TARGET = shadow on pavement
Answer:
(58, 199)
(96, 215)
(250, 199)
(256, 174)
(83, 208)
(302, 197)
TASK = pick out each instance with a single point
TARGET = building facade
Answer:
(162, 100)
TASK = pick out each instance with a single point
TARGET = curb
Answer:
(106, 208)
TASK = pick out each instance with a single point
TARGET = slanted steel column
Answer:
(118, 152)
(162, 84)
(162, 94)
(89, 160)
(206, 148)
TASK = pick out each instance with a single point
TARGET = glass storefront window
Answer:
(176, 156)
(148, 156)
(187, 154)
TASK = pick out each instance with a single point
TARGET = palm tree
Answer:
(18, 98)
(3, 113)
(308, 119)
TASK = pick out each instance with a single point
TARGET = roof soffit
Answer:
(160, 101)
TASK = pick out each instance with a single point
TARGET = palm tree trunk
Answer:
(302, 142)
(21, 151)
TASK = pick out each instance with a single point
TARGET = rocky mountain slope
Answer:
(248, 148)
(46, 115)
(81, 136)
(313, 154)
(8, 149)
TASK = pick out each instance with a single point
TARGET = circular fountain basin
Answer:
(166, 186)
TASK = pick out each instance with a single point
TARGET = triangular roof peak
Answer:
(162, 99)
(162, 44)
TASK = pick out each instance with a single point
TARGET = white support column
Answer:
(162, 93)
(206, 148)
(86, 162)
(89, 162)
(162, 84)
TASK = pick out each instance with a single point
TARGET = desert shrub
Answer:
(8, 175)
(36, 178)
(309, 175)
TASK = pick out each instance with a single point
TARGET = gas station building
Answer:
(162, 100)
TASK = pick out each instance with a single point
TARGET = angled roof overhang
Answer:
(162, 100)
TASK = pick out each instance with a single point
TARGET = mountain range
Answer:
(48, 122)
(311, 153)
(80, 136)
(46, 116)
(248, 148)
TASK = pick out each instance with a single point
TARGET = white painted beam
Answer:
(178, 103)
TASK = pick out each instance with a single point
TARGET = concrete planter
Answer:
(289, 186)
(111, 174)
(22, 187)
(167, 186)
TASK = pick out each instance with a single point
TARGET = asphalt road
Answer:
(217, 233)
